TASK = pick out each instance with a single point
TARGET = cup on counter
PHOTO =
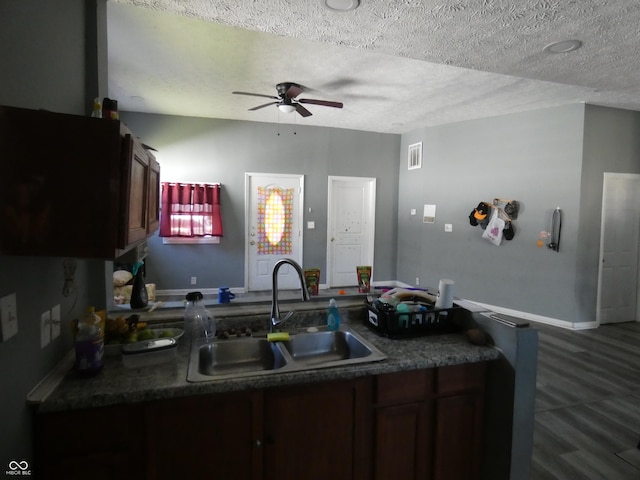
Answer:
(225, 295)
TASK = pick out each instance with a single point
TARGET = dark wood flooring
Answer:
(587, 420)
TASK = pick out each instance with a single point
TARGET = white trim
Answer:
(191, 240)
(539, 318)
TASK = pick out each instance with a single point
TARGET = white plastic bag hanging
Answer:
(494, 229)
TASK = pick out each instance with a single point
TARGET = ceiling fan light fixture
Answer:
(287, 108)
(563, 46)
(340, 5)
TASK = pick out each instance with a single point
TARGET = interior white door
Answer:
(618, 277)
(350, 228)
(273, 228)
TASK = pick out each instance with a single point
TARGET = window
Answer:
(190, 213)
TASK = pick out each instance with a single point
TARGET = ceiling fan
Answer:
(286, 99)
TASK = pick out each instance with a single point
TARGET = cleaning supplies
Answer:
(89, 343)
(333, 316)
(139, 296)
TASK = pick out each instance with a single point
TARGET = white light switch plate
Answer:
(8, 316)
(448, 227)
(55, 322)
(45, 329)
(311, 225)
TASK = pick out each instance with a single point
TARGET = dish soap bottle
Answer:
(333, 317)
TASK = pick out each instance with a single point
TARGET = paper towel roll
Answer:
(445, 294)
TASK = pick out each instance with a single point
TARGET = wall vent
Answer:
(415, 156)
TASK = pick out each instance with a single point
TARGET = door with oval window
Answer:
(273, 228)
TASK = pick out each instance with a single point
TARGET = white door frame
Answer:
(609, 175)
(371, 228)
(247, 219)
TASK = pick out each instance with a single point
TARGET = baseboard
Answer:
(540, 318)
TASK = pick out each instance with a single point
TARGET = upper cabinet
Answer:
(73, 186)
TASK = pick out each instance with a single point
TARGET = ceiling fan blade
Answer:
(256, 95)
(293, 91)
(262, 106)
(302, 111)
(324, 103)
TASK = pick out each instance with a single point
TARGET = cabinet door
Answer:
(403, 442)
(100, 443)
(316, 432)
(135, 192)
(153, 212)
(205, 437)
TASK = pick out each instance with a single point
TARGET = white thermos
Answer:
(445, 294)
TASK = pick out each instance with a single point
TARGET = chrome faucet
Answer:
(275, 312)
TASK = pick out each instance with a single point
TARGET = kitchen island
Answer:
(420, 411)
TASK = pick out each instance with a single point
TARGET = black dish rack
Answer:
(422, 318)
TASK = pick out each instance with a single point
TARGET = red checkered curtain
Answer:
(190, 210)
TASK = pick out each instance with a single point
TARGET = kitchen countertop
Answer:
(117, 384)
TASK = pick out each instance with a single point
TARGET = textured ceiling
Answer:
(397, 65)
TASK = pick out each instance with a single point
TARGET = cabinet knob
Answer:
(257, 443)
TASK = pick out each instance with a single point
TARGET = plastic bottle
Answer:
(139, 297)
(198, 321)
(89, 343)
(333, 316)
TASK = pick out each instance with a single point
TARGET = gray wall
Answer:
(42, 53)
(213, 150)
(544, 159)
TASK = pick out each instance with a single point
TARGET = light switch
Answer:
(8, 316)
(311, 225)
(448, 227)
(55, 322)
(45, 329)
(413, 211)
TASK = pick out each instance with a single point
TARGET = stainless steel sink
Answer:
(243, 357)
(326, 347)
(239, 356)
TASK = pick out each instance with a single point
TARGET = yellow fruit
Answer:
(166, 333)
(145, 334)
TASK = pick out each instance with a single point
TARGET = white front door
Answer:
(350, 228)
(273, 204)
(618, 279)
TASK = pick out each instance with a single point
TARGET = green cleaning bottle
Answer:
(333, 317)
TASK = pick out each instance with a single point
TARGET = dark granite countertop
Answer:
(117, 384)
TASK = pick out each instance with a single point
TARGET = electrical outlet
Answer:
(45, 328)
(417, 281)
(8, 316)
(55, 322)
(193, 280)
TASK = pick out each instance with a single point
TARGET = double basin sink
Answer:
(251, 356)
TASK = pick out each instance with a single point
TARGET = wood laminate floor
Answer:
(587, 420)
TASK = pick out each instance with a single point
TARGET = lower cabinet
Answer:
(428, 424)
(422, 424)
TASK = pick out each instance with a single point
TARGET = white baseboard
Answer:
(540, 318)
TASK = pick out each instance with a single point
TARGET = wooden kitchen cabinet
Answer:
(317, 432)
(207, 436)
(73, 186)
(419, 424)
(428, 423)
(100, 443)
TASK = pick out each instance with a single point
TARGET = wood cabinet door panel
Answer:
(208, 436)
(458, 437)
(134, 192)
(404, 387)
(311, 432)
(403, 437)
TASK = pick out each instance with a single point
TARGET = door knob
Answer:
(332, 239)
(252, 242)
